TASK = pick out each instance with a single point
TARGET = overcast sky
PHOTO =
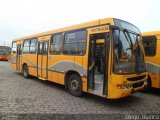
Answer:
(24, 17)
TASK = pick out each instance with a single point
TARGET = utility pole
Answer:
(4, 43)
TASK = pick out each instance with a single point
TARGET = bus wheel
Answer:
(25, 71)
(75, 85)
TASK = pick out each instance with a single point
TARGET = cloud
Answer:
(23, 17)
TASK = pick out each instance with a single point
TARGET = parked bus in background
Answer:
(5, 53)
(151, 42)
(103, 57)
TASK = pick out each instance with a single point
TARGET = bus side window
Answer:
(45, 49)
(150, 44)
(56, 44)
(26, 46)
(40, 48)
(33, 45)
(75, 43)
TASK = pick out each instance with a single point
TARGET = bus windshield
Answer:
(128, 56)
(5, 50)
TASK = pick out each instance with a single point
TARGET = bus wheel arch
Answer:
(25, 70)
(73, 77)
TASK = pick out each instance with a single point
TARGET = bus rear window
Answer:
(150, 44)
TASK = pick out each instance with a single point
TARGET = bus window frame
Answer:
(61, 51)
(14, 52)
(155, 38)
(29, 46)
(38, 49)
(35, 47)
(71, 31)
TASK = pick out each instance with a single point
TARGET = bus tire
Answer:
(25, 71)
(75, 85)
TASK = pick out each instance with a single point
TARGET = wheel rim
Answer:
(75, 85)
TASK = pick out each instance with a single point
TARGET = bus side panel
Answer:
(31, 61)
(156, 77)
(60, 78)
(84, 84)
(59, 65)
(155, 80)
(49, 75)
(13, 61)
(153, 67)
(85, 66)
(33, 64)
(62, 67)
(52, 73)
(80, 64)
(158, 56)
(54, 76)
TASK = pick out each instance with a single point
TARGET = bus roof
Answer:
(151, 33)
(103, 21)
(78, 26)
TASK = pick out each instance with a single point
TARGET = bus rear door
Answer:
(18, 57)
(42, 60)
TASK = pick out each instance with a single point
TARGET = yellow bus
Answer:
(5, 53)
(151, 42)
(102, 57)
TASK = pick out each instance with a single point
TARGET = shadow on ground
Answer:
(154, 91)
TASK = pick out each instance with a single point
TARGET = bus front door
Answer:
(18, 57)
(97, 70)
(42, 59)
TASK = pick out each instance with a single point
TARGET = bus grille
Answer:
(139, 84)
(136, 78)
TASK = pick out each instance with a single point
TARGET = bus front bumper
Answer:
(128, 89)
(3, 59)
(139, 86)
